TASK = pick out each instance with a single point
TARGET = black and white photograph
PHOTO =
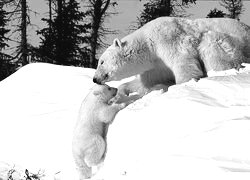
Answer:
(124, 89)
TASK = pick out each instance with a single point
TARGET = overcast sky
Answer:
(128, 10)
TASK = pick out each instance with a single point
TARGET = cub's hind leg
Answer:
(96, 151)
(84, 171)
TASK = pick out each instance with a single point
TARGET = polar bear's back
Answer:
(231, 27)
(228, 26)
(196, 28)
(225, 25)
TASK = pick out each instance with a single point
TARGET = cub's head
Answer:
(104, 93)
(119, 61)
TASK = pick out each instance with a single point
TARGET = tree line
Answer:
(75, 31)
(177, 8)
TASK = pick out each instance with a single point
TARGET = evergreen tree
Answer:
(152, 10)
(215, 13)
(5, 66)
(158, 8)
(3, 30)
(234, 7)
(59, 28)
(71, 34)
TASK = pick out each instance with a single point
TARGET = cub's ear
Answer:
(117, 43)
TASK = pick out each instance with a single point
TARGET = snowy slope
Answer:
(197, 130)
(39, 106)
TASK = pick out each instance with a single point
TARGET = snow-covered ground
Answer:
(197, 130)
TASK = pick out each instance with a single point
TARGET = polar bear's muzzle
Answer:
(101, 79)
(97, 81)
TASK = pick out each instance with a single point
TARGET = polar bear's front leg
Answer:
(134, 86)
(188, 68)
(131, 91)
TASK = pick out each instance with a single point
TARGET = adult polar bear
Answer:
(174, 50)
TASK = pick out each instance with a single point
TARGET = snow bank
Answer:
(197, 130)
(39, 105)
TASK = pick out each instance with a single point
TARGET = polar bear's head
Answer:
(121, 60)
(104, 92)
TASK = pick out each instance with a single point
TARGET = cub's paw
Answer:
(114, 100)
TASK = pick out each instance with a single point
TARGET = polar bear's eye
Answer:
(102, 62)
(109, 89)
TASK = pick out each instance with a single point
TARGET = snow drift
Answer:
(197, 130)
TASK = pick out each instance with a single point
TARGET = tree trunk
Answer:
(166, 7)
(50, 16)
(24, 48)
(94, 32)
(59, 49)
(96, 23)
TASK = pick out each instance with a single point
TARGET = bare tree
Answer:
(3, 30)
(23, 28)
(50, 15)
(6, 67)
(98, 11)
(19, 13)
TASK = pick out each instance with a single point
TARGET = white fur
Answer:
(89, 140)
(174, 50)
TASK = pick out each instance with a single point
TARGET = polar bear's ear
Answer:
(117, 43)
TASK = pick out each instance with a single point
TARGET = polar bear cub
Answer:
(89, 138)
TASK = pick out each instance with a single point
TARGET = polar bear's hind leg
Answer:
(221, 52)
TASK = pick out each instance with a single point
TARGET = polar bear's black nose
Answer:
(96, 81)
